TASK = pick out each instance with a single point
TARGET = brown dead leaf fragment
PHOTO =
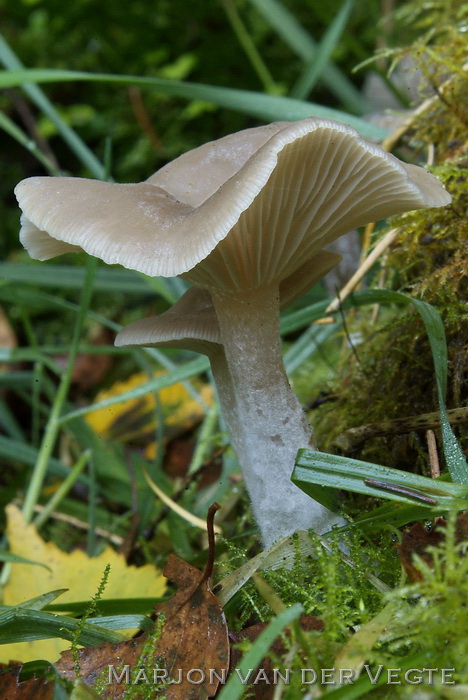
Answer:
(31, 689)
(195, 635)
(417, 540)
(192, 648)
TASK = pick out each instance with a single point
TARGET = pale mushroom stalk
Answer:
(268, 423)
(266, 432)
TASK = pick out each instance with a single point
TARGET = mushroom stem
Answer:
(263, 414)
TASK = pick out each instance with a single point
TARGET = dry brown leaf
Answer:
(194, 636)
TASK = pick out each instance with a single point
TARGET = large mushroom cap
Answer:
(236, 213)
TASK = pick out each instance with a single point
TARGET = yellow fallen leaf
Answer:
(136, 419)
(76, 571)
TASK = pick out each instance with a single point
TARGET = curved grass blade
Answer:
(249, 47)
(454, 457)
(394, 515)
(190, 369)
(40, 601)
(333, 471)
(265, 107)
(20, 625)
(9, 557)
(108, 279)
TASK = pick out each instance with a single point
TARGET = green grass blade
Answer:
(9, 557)
(304, 347)
(454, 457)
(21, 625)
(316, 64)
(373, 480)
(27, 142)
(52, 428)
(63, 489)
(300, 41)
(235, 688)
(292, 321)
(248, 45)
(11, 61)
(190, 369)
(41, 601)
(287, 27)
(112, 279)
(395, 515)
(38, 602)
(122, 622)
(109, 606)
(161, 286)
(25, 454)
(7, 420)
(266, 107)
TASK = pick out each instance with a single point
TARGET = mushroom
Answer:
(239, 217)
(191, 324)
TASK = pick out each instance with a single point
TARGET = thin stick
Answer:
(185, 514)
(207, 574)
(79, 524)
(396, 488)
(381, 246)
(433, 454)
(349, 439)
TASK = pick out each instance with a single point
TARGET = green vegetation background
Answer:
(139, 130)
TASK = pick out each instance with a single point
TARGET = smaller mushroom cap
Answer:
(191, 323)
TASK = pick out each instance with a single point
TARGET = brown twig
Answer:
(379, 249)
(207, 574)
(188, 481)
(80, 524)
(433, 455)
(350, 439)
(142, 117)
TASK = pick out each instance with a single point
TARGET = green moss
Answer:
(432, 614)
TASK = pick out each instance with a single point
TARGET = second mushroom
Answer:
(245, 220)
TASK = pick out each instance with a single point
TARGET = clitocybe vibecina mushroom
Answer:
(242, 218)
